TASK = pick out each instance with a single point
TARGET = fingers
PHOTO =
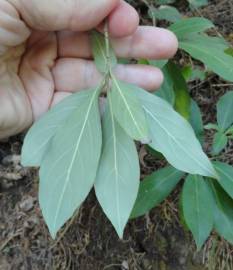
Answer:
(77, 15)
(12, 30)
(35, 72)
(147, 42)
(123, 21)
(71, 75)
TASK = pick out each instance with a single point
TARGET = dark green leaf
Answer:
(219, 143)
(196, 121)
(167, 13)
(225, 173)
(182, 97)
(155, 188)
(211, 52)
(166, 91)
(225, 110)
(198, 208)
(223, 219)
(198, 3)
(187, 27)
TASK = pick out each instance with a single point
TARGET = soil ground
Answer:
(156, 241)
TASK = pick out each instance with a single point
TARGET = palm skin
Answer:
(45, 53)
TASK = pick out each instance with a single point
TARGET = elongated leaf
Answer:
(201, 48)
(219, 143)
(198, 3)
(100, 52)
(174, 137)
(211, 126)
(198, 208)
(128, 110)
(154, 189)
(182, 97)
(225, 173)
(196, 121)
(225, 110)
(187, 27)
(158, 63)
(39, 136)
(223, 218)
(167, 13)
(69, 168)
(117, 181)
(166, 90)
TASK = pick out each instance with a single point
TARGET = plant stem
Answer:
(107, 43)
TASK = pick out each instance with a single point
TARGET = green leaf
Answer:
(223, 219)
(117, 181)
(65, 174)
(225, 173)
(190, 74)
(198, 3)
(100, 52)
(128, 110)
(168, 13)
(166, 91)
(211, 53)
(158, 63)
(198, 204)
(155, 188)
(196, 121)
(229, 51)
(39, 136)
(229, 131)
(219, 143)
(189, 26)
(225, 110)
(182, 97)
(174, 137)
(163, 2)
(211, 126)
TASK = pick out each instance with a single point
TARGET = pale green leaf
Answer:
(117, 181)
(189, 26)
(39, 136)
(225, 110)
(99, 49)
(225, 173)
(174, 137)
(69, 168)
(154, 189)
(198, 208)
(128, 110)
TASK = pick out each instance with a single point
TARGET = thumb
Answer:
(55, 15)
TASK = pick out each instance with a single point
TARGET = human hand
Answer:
(45, 53)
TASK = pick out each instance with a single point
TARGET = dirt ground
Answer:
(154, 242)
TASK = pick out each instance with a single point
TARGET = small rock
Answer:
(27, 204)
